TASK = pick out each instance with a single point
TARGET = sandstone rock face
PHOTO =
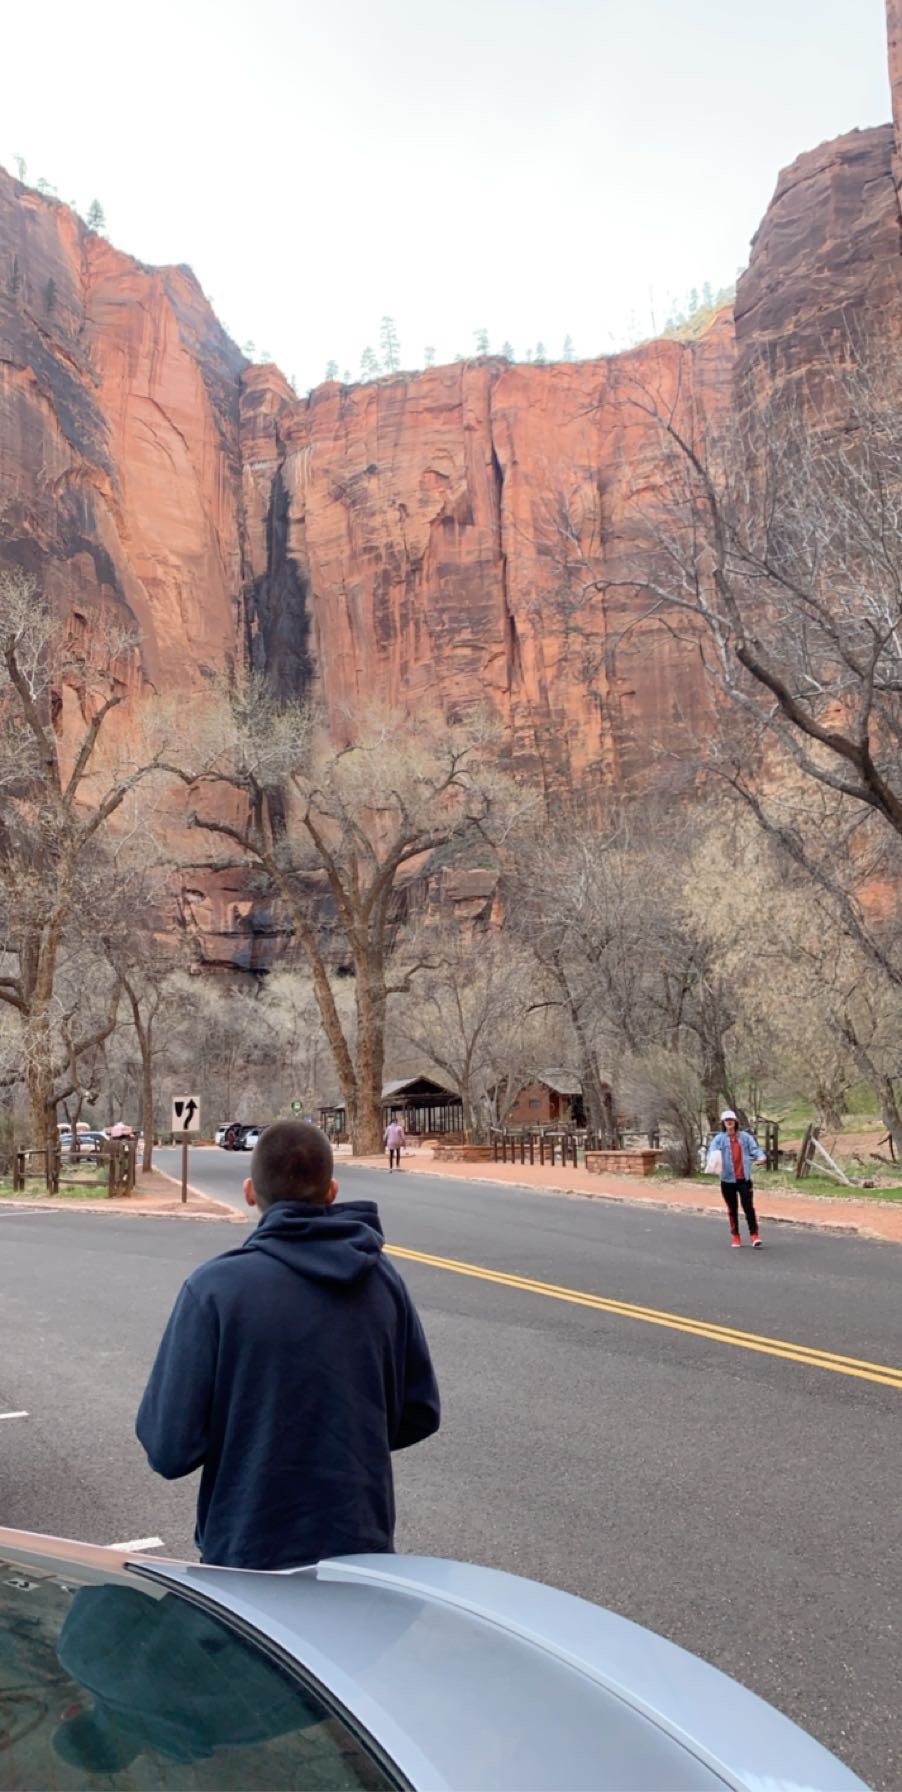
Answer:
(448, 536)
(894, 45)
(825, 260)
(120, 476)
(456, 538)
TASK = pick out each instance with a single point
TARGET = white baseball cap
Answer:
(728, 1114)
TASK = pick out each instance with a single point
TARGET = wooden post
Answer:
(184, 1168)
(803, 1161)
(541, 1147)
(532, 1145)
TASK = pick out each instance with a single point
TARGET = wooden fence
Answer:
(544, 1145)
(117, 1160)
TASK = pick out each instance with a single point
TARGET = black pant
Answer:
(394, 1153)
(733, 1193)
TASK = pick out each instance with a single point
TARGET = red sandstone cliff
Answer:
(120, 476)
(441, 538)
(438, 538)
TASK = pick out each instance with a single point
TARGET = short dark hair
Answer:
(292, 1161)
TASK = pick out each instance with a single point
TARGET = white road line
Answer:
(13, 1415)
(138, 1543)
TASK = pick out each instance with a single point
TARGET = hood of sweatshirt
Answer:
(340, 1243)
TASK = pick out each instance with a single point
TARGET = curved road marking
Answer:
(809, 1355)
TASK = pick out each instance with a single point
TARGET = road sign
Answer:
(185, 1113)
(297, 1107)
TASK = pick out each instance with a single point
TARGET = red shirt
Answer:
(736, 1149)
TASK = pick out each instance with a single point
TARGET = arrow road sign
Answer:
(185, 1113)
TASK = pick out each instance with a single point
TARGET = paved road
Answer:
(741, 1502)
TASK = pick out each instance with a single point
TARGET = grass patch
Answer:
(777, 1182)
(84, 1189)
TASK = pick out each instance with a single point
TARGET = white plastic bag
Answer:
(714, 1162)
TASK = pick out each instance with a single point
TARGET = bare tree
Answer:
(568, 898)
(352, 823)
(770, 539)
(471, 1015)
(808, 988)
(60, 793)
(775, 537)
(663, 1089)
(778, 531)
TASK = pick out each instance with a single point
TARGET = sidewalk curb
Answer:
(8, 1205)
(223, 1210)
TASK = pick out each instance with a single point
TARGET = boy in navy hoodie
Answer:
(289, 1371)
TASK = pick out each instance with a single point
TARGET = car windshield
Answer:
(116, 1686)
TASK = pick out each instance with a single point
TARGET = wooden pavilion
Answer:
(425, 1108)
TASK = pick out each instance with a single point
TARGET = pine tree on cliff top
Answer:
(482, 342)
(369, 366)
(507, 349)
(390, 345)
(96, 219)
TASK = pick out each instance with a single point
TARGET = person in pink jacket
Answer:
(393, 1140)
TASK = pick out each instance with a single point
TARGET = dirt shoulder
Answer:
(156, 1196)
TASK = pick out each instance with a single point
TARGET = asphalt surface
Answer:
(743, 1503)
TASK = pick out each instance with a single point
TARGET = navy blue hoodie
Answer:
(289, 1371)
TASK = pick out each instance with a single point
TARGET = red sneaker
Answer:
(755, 1242)
(735, 1241)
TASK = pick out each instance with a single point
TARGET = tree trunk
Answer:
(366, 1121)
(882, 1085)
(598, 1097)
(39, 1083)
(325, 1001)
(146, 1041)
(39, 1053)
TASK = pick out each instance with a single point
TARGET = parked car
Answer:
(366, 1671)
(90, 1144)
(236, 1135)
(225, 1135)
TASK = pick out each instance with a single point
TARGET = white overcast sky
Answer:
(534, 167)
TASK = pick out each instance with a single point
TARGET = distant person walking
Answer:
(289, 1371)
(394, 1139)
(738, 1151)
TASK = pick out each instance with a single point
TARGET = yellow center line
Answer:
(810, 1355)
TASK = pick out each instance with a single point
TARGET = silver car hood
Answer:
(477, 1681)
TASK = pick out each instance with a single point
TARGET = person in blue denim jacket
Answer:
(738, 1151)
